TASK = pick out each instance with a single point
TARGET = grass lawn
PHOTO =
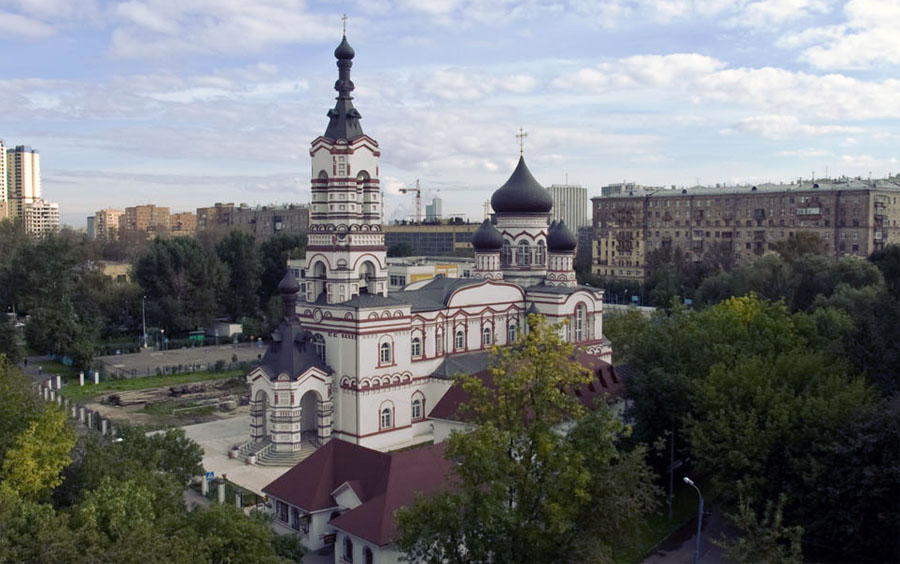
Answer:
(658, 527)
(77, 393)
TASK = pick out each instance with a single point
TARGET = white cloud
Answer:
(701, 79)
(157, 28)
(766, 14)
(454, 84)
(867, 38)
(805, 153)
(784, 126)
(23, 26)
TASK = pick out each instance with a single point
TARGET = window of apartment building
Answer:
(855, 248)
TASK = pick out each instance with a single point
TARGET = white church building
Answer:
(352, 361)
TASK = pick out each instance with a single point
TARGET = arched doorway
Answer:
(367, 278)
(309, 416)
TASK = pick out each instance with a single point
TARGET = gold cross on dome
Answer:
(521, 135)
(344, 20)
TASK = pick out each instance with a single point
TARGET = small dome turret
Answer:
(522, 194)
(560, 239)
(344, 51)
(487, 238)
(288, 284)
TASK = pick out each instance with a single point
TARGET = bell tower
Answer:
(346, 253)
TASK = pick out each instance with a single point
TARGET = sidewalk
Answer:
(680, 546)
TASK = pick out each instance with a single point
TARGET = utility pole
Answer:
(144, 320)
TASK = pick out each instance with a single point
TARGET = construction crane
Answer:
(418, 199)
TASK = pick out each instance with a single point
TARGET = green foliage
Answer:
(227, 535)
(58, 331)
(802, 244)
(888, 262)
(275, 253)
(400, 250)
(239, 253)
(522, 486)
(182, 283)
(19, 404)
(10, 342)
(288, 547)
(765, 540)
(32, 464)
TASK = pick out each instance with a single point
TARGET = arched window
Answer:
(385, 354)
(416, 347)
(524, 255)
(319, 346)
(511, 333)
(460, 340)
(418, 404)
(387, 418)
(579, 323)
(486, 335)
(539, 254)
(439, 343)
(506, 254)
(368, 557)
(348, 549)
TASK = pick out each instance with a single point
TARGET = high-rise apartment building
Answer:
(435, 210)
(570, 205)
(854, 217)
(106, 224)
(23, 171)
(149, 218)
(217, 215)
(41, 217)
(4, 189)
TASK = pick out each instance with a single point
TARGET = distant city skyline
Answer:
(183, 104)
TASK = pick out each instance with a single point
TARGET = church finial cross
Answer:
(521, 135)
(344, 21)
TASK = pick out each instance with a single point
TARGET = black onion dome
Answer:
(561, 239)
(289, 284)
(344, 50)
(552, 226)
(487, 238)
(521, 193)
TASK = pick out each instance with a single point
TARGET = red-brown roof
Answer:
(605, 382)
(383, 483)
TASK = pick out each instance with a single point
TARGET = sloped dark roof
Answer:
(291, 352)
(468, 363)
(560, 239)
(543, 288)
(374, 300)
(487, 238)
(383, 482)
(521, 193)
(435, 294)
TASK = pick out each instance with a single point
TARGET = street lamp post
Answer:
(144, 320)
(690, 482)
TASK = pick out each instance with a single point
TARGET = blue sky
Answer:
(185, 103)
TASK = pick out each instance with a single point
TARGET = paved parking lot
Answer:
(217, 438)
(146, 362)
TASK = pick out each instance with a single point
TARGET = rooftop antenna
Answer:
(344, 21)
(521, 135)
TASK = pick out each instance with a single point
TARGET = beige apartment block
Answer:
(106, 224)
(149, 218)
(854, 217)
(183, 224)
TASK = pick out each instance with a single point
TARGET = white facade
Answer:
(41, 217)
(382, 360)
(570, 204)
(23, 169)
(4, 183)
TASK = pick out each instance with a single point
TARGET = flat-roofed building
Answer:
(106, 224)
(264, 222)
(437, 239)
(41, 217)
(182, 224)
(23, 172)
(570, 204)
(149, 218)
(854, 217)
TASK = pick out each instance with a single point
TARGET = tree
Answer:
(239, 253)
(20, 405)
(10, 344)
(32, 465)
(58, 331)
(400, 250)
(275, 253)
(765, 540)
(888, 262)
(522, 485)
(802, 244)
(227, 535)
(182, 283)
